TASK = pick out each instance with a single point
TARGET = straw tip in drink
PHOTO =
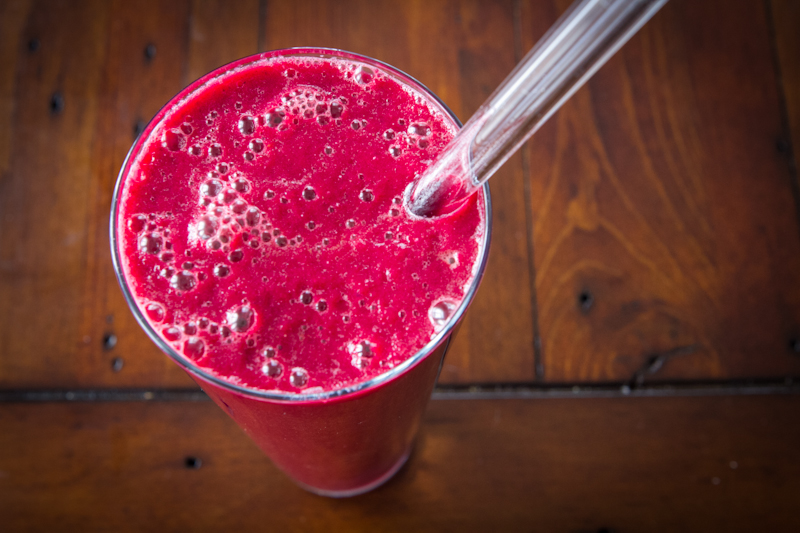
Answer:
(435, 201)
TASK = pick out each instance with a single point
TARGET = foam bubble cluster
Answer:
(289, 261)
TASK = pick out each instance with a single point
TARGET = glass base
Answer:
(361, 490)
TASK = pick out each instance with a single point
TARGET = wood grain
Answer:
(658, 464)
(47, 191)
(786, 23)
(666, 243)
(12, 21)
(221, 32)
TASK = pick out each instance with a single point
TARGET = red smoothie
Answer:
(261, 238)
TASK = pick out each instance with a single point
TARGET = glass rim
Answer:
(281, 396)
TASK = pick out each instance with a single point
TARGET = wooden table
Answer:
(631, 360)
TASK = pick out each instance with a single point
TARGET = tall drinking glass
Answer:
(338, 442)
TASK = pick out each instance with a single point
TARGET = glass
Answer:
(337, 443)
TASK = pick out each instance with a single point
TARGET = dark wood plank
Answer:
(221, 32)
(60, 298)
(46, 191)
(665, 232)
(786, 23)
(12, 21)
(462, 51)
(648, 464)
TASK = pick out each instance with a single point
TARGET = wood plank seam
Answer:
(786, 144)
(454, 392)
(538, 365)
(261, 40)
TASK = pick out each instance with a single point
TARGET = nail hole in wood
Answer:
(150, 51)
(585, 300)
(33, 45)
(138, 128)
(109, 341)
(117, 364)
(794, 345)
(56, 103)
(193, 462)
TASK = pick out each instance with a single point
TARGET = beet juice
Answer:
(260, 236)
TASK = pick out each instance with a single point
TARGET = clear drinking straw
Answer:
(578, 44)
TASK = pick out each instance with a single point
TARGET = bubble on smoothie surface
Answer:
(150, 243)
(256, 145)
(241, 185)
(183, 281)
(173, 140)
(309, 193)
(240, 318)
(239, 206)
(364, 74)
(211, 188)
(419, 128)
(226, 196)
(136, 223)
(275, 117)
(367, 195)
(272, 368)
(221, 270)
(171, 333)
(194, 348)
(440, 312)
(207, 227)
(298, 378)
(361, 352)
(451, 258)
(154, 312)
(247, 125)
(252, 216)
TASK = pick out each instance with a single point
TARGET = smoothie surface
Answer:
(262, 233)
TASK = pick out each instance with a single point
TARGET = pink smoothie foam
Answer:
(263, 234)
